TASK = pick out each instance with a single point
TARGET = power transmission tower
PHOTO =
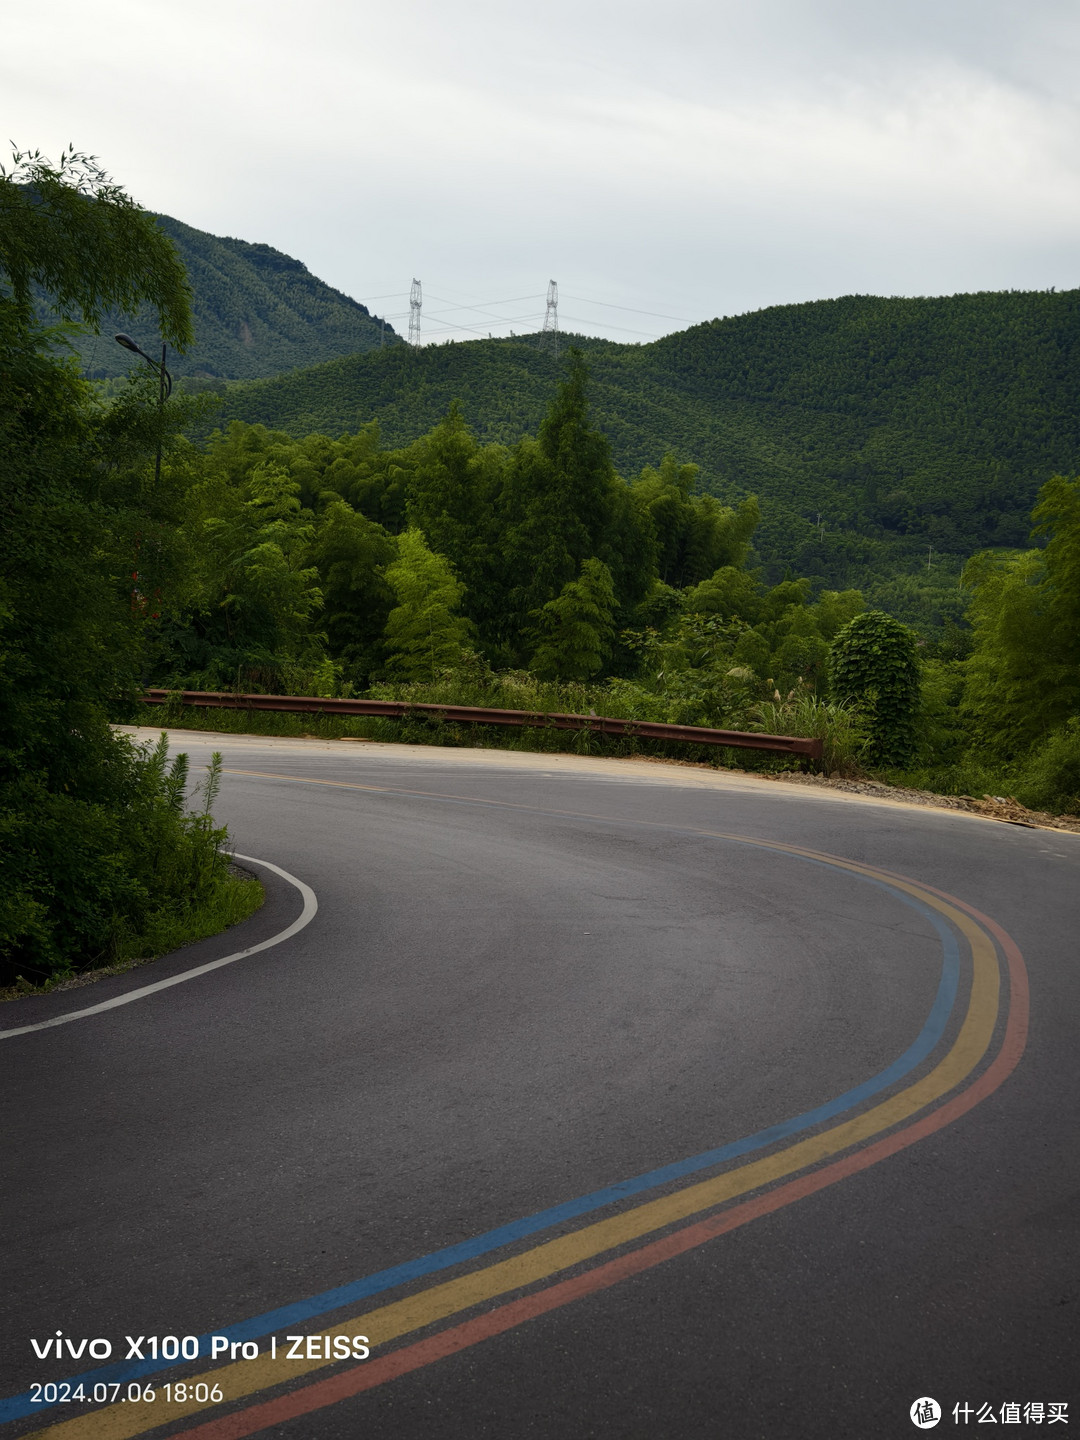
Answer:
(549, 336)
(416, 301)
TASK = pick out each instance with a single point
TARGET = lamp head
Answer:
(127, 343)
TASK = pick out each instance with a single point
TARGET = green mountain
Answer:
(882, 435)
(257, 312)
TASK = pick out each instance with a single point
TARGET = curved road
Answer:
(603, 1098)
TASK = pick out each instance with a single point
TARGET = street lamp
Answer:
(164, 389)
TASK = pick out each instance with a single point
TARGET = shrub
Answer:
(1049, 778)
(95, 878)
(874, 670)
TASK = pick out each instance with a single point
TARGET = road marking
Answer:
(307, 914)
(441, 1301)
(290, 1317)
(367, 1376)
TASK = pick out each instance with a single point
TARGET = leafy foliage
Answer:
(424, 632)
(874, 671)
(256, 592)
(352, 555)
(574, 630)
(1049, 778)
(69, 230)
(95, 848)
(1024, 670)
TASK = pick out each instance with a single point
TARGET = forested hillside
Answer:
(874, 431)
(547, 563)
(256, 311)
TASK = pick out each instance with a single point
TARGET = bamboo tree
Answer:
(425, 632)
(574, 631)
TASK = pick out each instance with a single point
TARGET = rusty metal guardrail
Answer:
(476, 715)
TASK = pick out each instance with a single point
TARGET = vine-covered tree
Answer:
(874, 669)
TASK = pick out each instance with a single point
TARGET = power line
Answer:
(479, 310)
(656, 315)
(483, 306)
(580, 320)
(516, 319)
(481, 329)
(548, 328)
(454, 304)
(487, 314)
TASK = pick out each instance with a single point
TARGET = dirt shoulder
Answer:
(991, 807)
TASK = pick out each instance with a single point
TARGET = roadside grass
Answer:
(842, 733)
(235, 897)
(966, 776)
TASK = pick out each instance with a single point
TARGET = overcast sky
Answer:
(683, 160)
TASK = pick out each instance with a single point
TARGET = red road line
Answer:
(370, 1374)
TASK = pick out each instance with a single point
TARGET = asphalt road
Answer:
(655, 1104)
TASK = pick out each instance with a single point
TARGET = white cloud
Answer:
(696, 159)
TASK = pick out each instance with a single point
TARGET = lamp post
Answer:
(164, 389)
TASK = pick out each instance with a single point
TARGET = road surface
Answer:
(601, 1098)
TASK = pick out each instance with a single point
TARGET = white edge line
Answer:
(307, 914)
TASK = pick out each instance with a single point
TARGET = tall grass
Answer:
(841, 730)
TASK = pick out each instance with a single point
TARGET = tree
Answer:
(261, 584)
(695, 534)
(92, 839)
(834, 609)
(352, 553)
(454, 498)
(560, 499)
(873, 668)
(1023, 675)
(574, 631)
(424, 632)
(730, 592)
(72, 232)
